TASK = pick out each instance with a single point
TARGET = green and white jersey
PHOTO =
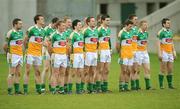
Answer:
(49, 30)
(166, 40)
(165, 36)
(68, 32)
(91, 39)
(125, 37)
(15, 41)
(104, 38)
(59, 42)
(134, 31)
(142, 36)
(142, 40)
(77, 42)
(36, 36)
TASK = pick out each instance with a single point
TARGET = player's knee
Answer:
(27, 72)
(147, 71)
(101, 70)
(62, 74)
(55, 74)
(67, 73)
(46, 69)
(106, 72)
(123, 71)
(37, 73)
(18, 74)
(163, 70)
(128, 73)
(136, 70)
(170, 70)
(11, 75)
(78, 74)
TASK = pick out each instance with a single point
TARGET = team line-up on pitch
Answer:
(80, 51)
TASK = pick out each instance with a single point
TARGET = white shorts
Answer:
(14, 60)
(59, 60)
(105, 56)
(141, 57)
(78, 60)
(45, 53)
(167, 57)
(91, 59)
(126, 61)
(34, 60)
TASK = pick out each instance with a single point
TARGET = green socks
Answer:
(65, 88)
(61, 89)
(70, 85)
(126, 86)
(104, 86)
(57, 87)
(82, 86)
(169, 80)
(161, 78)
(121, 86)
(133, 85)
(147, 82)
(38, 88)
(25, 86)
(16, 86)
(78, 88)
(53, 90)
(90, 87)
(94, 87)
(98, 85)
(137, 84)
(43, 86)
(9, 91)
(50, 87)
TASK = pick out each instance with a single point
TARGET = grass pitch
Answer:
(143, 99)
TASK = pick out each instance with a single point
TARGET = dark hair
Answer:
(37, 18)
(55, 20)
(75, 22)
(131, 16)
(164, 21)
(88, 20)
(15, 21)
(103, 17)
(127, 22)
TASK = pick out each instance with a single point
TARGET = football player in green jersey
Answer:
(125, 55)
(77, 53)
(166, 53)
(58, 51)
(34, 42)
(14, 49)
(68, 77)
(51, 28)
(91, 41)
(104, 34)
(142, 57)
(135, 74)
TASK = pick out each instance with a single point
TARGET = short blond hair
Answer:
(65, 18)
(141, 22)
